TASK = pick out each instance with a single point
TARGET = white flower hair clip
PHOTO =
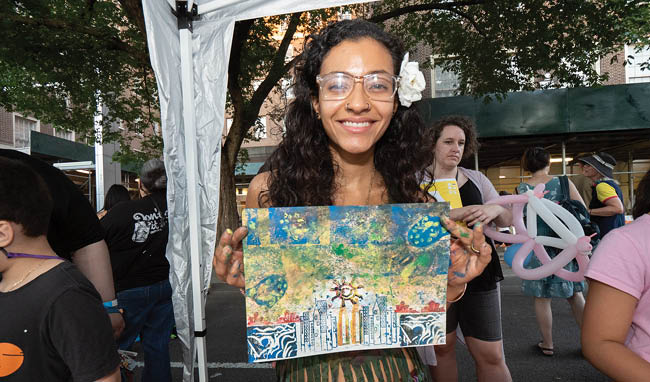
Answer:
(411, 82)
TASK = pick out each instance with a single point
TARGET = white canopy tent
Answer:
(189, 53)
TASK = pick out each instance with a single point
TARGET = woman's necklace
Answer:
(25, 277)
(372, 181)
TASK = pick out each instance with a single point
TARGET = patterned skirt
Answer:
(389, 365)
(551, 286)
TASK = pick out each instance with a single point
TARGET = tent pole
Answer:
(563, 158)
(630, 177)
(194, 217)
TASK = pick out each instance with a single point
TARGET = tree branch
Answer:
(278, 67)
(240, 35)
(423, 7)
(135, 14)
(470, 19)
(112, 43)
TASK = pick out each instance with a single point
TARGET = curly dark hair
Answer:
(302, 169)
(535, 159)
(468, 127)
(642, 197)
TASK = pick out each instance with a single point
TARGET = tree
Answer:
(59, 59)
(58, 56)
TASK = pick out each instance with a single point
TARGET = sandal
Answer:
(545, 351)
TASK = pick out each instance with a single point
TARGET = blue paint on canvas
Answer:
(252, 238)
(272, 342)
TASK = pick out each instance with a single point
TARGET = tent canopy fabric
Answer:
(191, 66)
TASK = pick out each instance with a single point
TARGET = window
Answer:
(289, 56)
(445, 83)
(260, 128)
(64, 134)
(228, 126)
(22, 131)
(287, 88)
(345, 16)
(635, 71)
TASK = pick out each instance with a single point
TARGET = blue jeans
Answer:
(148, 312)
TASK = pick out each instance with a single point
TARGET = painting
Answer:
(341, 278)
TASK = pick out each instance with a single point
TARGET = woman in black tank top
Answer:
(478, 312)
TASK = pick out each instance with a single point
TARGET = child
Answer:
(53, 326)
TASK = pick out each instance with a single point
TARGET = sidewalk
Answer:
(521, 335)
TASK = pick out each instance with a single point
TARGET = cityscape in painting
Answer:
(341, 278)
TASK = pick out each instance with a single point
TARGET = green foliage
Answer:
(501, 46)
(59, 57)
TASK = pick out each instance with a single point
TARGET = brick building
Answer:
(60, 148)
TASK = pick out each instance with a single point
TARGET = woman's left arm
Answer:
(485, 214)
(606, 322)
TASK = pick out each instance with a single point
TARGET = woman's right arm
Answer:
(606, 322)
(228, 260)
(574, 194)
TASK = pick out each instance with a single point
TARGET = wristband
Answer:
(112, 307)
(110, 304)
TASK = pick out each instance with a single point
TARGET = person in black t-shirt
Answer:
(53, 326)
(136, 234)
(75, 233)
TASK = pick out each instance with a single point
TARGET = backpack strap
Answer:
(564, 186)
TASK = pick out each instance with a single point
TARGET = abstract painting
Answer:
(340, 278)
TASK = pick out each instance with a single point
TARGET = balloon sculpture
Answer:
(572, 240)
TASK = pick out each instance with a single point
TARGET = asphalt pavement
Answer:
(227, 348)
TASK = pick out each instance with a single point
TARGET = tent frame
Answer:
(197, 186)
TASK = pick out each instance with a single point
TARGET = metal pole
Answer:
(476, 161)
(630, 177)
(563, 158)
(194, 213)
(99, 156)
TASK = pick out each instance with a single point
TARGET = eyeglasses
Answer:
(338, 86)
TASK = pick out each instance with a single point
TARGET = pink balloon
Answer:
(578, 250)
(504, 237)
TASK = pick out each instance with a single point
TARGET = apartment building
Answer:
(65, 150)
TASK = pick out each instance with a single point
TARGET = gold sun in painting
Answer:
(346, 291)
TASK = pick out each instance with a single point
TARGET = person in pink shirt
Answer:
(616, 322)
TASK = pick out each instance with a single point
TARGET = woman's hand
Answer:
(471, 215)
(470, 254)
(228, 260)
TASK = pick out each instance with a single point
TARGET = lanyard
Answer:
(15, 254)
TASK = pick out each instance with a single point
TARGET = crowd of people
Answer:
(79, 288)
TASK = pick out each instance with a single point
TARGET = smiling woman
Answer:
(349, 141)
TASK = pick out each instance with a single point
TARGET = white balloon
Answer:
(531, 216)
(566, 217)
(552, 242)
(551, 220)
